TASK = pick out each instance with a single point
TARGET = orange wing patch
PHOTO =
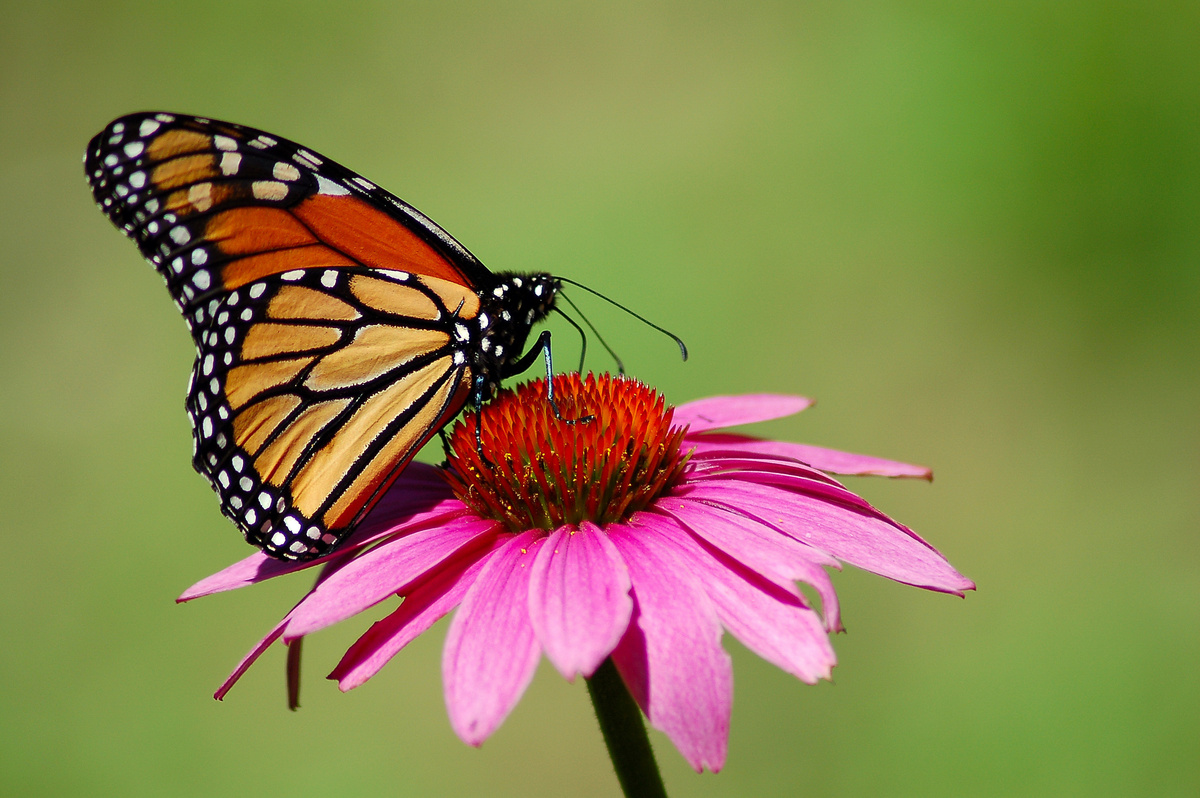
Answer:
(389, 297)
(321, 474)
(182, 171)
(382, 468)
(248, 381)
(375, 350)
(246, 231)
(268, 340)
(177, 142)
(254, 425)
(278, 459)
(372, 237)
(255, 267)
(298, 302)
(461, 301)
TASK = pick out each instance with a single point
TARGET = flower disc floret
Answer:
(611, 452)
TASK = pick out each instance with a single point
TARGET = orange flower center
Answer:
(540, 472)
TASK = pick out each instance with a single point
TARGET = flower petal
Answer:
(671, 657)
(579, 602)
(258, 567)
(331, 565)
(251, 657)
(771, 622)
(792, 483)
(871, 541)
(385, 571)
(255, 568)
(491, 651)
(425, 605)
(831, 460)
(709, 462)
(727, 411)
(760, 548)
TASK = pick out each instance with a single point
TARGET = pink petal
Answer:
(707, 462)
(425, 605)
(726, 411)
(831, 460)
(250, 658)
(385, 571)
(258, 567)
(330, 566)
(870, 541)
(762, 549)
(792, 483)
(579, 602)
(671, 656)
(255, 568)
(771, 622)
(491, 651)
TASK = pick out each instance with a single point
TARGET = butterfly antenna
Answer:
(592, 327)
(583, 339)
(682, 346)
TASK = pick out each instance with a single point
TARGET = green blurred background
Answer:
(972, 230)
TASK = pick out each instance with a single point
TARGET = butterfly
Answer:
(337, 328)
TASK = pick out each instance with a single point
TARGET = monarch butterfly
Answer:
(337, 328)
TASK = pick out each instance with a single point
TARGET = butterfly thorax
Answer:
(507, 313)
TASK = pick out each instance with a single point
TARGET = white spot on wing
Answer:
(200, 196)
(327, 186)
(268, 190)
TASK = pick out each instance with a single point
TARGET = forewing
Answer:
(216, 206)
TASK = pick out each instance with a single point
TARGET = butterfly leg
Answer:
(526, 360)
(477, 400)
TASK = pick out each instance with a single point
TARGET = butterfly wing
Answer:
(313, 388)
(331, 319)
(215, 205)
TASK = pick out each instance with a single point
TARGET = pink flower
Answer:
(606, 538)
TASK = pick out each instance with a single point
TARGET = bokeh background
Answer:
(971, 230)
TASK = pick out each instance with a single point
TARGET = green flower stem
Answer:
(624, 734)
